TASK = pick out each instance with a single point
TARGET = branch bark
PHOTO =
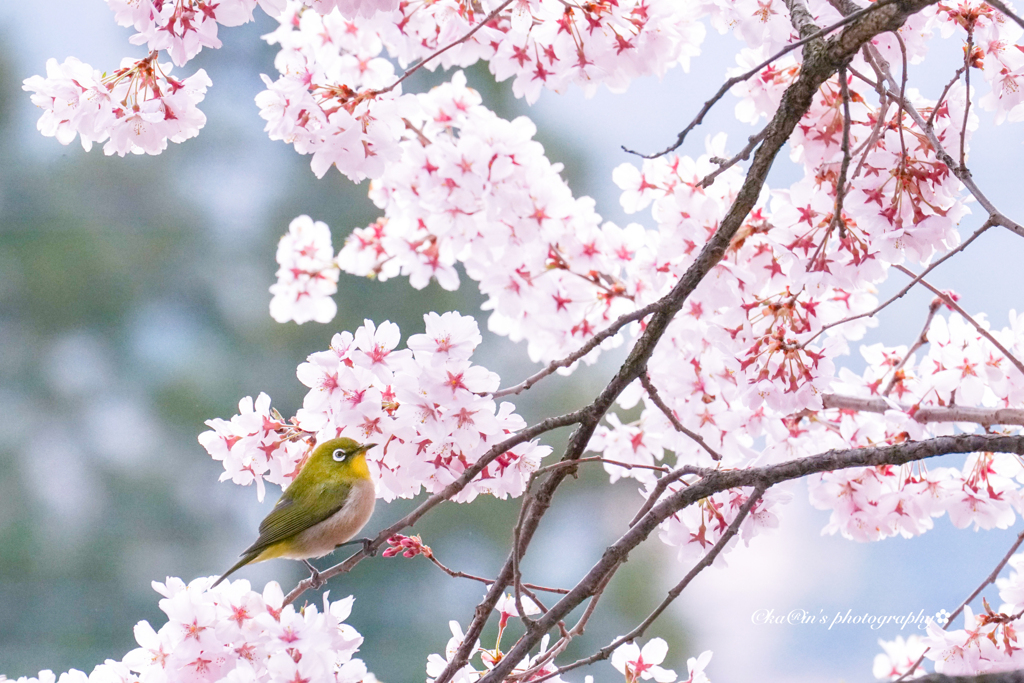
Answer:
(761, 478)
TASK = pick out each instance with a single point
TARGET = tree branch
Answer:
(762, 478)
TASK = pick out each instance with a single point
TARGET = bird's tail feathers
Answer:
(246, 559)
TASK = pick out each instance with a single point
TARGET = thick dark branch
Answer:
(761, 478)
(1005, 677)
(705, 562)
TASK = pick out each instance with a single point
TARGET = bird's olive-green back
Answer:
(319, 491)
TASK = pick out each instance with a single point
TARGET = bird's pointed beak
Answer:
(366, 446)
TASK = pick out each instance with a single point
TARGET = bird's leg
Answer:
(314, 576)
(367, 545)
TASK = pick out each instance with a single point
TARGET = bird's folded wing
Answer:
(298, 512)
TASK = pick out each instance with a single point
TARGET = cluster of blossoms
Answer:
(336, 97)
(427, 407)
(136, 109)
(308, 275)
(961, 376)
(233, 634)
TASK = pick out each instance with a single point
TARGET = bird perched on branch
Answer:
(326, 505)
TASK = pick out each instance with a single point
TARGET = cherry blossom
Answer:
(308, 277)
(898, 656)
(695, 667)
(639, 664)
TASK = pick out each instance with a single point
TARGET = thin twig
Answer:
(618, 463)
(469, 34)
(921, 340)
(663, 484)
(747, 74)
(967, 95)
(991, 578)
(743, 155)
(455, 574)
(942, 96)
(904, 157)
(844, 167)
(948, 301)
(591, 344)
(652, 393)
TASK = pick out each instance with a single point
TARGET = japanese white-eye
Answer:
(328, 503)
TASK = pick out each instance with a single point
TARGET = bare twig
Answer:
(837, 211)
(591, 344)
(991, 578)
(617, 463)
(901, 103)
(948, 301)
(663, 484)
(967, 95)
(747, 74)
(652, 393)
(942, 96)
(469, 34)
(455, 574)
(742, 155)
(921, 340)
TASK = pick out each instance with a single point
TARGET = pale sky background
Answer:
(792, 569)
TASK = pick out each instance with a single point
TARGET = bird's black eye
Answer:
(340, 455)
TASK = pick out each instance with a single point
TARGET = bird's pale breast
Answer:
(322, 538)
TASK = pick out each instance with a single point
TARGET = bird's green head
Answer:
(342, 457)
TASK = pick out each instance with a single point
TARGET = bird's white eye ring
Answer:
(339, 455)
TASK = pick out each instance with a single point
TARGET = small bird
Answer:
(327, 504)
